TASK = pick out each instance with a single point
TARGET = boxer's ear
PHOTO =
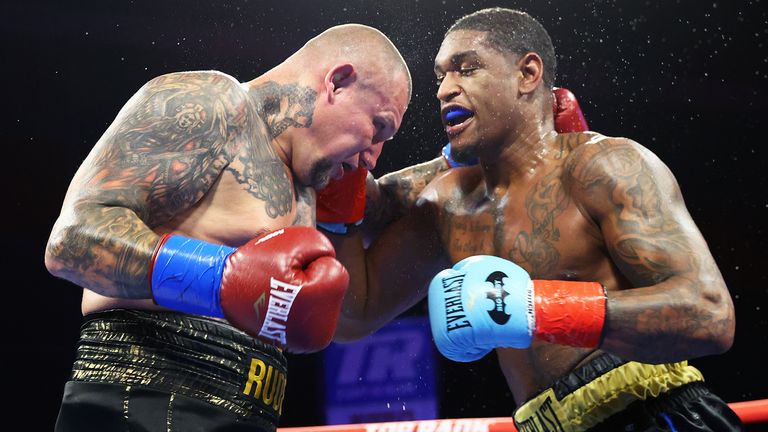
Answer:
(531, 72)
(339, 77)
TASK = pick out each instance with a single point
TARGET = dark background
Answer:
(685, 78)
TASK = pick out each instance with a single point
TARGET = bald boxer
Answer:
(571, 255)
(190, 228)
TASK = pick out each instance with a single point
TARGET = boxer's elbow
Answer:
(54, 251)
(350, 329)
(356, 320)
(714, 316)
(723, 322)
(66, 253)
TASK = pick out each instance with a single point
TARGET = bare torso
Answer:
(537, 225)
(255, 193)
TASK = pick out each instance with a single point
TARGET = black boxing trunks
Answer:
(141, 370)
(610, 394)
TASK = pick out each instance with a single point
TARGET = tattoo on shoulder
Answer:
(173, 143)
(652, 245)
(163, 152)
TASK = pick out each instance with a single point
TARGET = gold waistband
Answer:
(602, 397)
(188, 355)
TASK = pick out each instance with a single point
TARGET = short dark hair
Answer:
(514, 31)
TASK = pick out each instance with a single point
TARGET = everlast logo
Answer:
(497, 294)
(266, 384)
(545, 420)
(281, 298)
(454, 312)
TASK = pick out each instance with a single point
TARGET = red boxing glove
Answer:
(342, 202)
(568, 115)
(283, 287)
(286, 287)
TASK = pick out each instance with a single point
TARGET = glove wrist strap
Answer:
(186, 275)
(569, 313)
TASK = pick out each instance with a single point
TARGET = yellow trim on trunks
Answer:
(604, 396)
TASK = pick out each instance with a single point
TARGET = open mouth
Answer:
(457, 115)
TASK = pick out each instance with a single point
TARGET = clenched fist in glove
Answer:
(342, 202)
(485, 302)
(283, 287)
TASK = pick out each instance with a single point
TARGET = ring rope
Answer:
(750, 412)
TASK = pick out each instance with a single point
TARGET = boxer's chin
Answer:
(463, 155)
(320, 174)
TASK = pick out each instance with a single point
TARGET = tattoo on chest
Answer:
(266, 180)
(262, 172)
(544, 202)
(260, 169)
(469, 235)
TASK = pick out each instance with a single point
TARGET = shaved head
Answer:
(367, 48)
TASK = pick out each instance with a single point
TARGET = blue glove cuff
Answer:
(337, 227)
(187, 276)
(453, 163)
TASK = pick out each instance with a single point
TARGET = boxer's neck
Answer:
(518, 159)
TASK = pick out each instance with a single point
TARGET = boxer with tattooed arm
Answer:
(190, 228)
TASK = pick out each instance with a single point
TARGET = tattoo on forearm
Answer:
(113, 253)
(400, 190)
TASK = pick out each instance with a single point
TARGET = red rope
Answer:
(750, 412)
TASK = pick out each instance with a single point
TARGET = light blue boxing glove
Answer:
(486, 302)
(483, 302)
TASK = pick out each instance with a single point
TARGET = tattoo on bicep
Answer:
(160, 156)
(167, 152)
(651, 244)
